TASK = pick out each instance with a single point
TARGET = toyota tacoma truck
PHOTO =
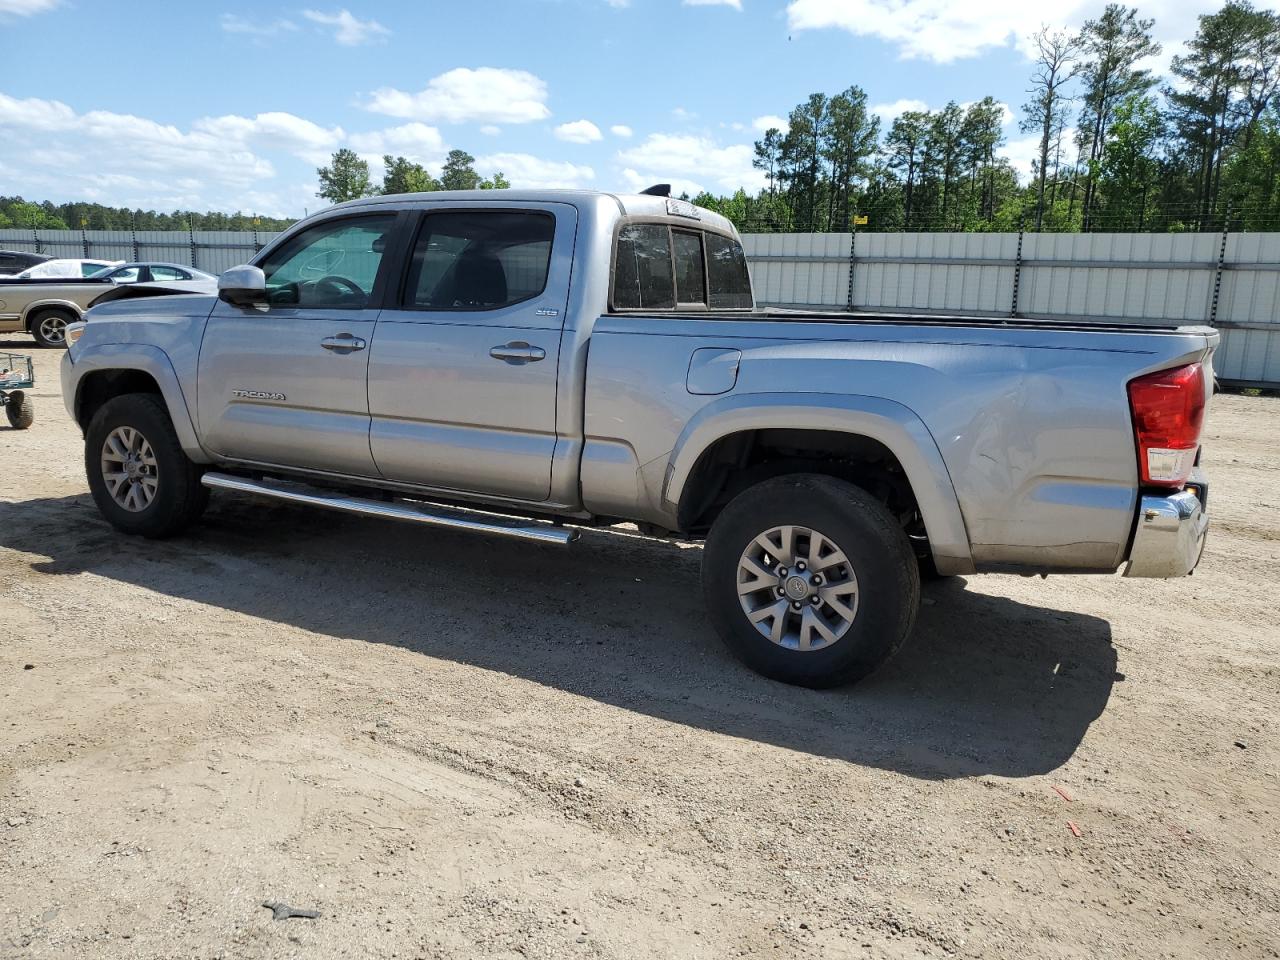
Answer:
(528, 363)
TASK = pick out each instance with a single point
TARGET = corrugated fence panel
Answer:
(215, 250)
(799, 269)
(909, 272)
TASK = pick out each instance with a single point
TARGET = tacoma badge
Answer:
(256, 395)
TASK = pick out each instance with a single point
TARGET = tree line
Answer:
(1117, 147)
(347, 177)
(15, 212)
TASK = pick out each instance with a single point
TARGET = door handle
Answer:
(343, 343)
(517, 352)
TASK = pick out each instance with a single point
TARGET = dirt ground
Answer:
(452, 746)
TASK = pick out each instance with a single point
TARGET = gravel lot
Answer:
(452, 746)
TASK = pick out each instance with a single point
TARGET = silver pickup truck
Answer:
(526, 363)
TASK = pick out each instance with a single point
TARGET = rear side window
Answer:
(727, 277)
(479, 260)
(642, 273)
(691, 278)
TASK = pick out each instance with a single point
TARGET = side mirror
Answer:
(243, 287)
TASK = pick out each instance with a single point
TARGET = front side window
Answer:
(331, 265)
(642, 277)
(479, 260)
(125, 274)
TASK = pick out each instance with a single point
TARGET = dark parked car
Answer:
(15, 261)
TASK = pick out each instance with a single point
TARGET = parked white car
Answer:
(66, 268)
(172, 276)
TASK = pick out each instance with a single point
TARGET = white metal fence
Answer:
(1229, 281)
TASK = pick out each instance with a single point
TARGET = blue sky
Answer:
(231, 105)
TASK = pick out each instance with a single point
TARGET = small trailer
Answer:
(17, 376)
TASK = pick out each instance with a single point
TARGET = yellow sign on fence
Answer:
(860, 221)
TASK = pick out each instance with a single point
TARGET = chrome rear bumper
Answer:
(1170, 535)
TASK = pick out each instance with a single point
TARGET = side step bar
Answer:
(430, 515)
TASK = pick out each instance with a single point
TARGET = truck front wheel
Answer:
(809, 580)
(140, 479)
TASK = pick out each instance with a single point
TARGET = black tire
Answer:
(20, 410)
(57, 320)
(179, 497)
(878, 553)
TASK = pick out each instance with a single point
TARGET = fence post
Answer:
(191, 232)
(84, 238)
(133, 235)
(853, 245)
(35, 235)
(1017, 268)
(1217, 273)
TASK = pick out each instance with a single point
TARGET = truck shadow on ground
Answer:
(987, 685)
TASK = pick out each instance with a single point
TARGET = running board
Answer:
(431, 516)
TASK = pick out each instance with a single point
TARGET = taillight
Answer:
(1168, 411)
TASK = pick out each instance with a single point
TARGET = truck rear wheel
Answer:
(49, 327)
(809, 580)
(140, 479)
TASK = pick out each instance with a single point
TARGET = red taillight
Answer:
(1168, 411)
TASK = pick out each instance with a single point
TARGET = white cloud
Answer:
(621, 130)
(485, 94)
(490, 130)
(579, 131)
(888, 112)
(618, 4)
(282, 131)
(944, 31)
(525, 170)
(231, 23)
(736, 4)
(347, 29)
(770, 122)
(26, 8)
(125, 159)
(416, 141)
(700, 161)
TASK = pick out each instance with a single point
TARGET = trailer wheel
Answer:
(20, 410)
(810, 580)
(140, 479)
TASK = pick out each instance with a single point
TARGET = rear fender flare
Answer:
(891, 423)
(33, 308)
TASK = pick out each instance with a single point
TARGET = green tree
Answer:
(1111, 48)
(768, 154)
(459, 172)
(851, 136)
(1128, 170)
(401, 175)
(346, 178)
(496, 182)
(904, 154)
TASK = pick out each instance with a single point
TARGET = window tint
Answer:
(691, 281)
(332, 264)
(642, 273)
(169, 273)
(89, 269)
(125, 274)
(479, 260)
(727, 275)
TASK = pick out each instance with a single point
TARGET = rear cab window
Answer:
(661, 266)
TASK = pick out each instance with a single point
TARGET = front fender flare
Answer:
(892, 424)
(144, 359)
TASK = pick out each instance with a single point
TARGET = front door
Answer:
(285, 385)
(462, 376)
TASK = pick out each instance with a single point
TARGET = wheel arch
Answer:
(113, 370)
(37, 307)
(857, 438)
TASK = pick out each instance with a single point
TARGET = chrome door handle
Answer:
(518, 351)
(343, 343)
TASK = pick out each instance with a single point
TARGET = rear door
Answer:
(462, 375)
(285, 385)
